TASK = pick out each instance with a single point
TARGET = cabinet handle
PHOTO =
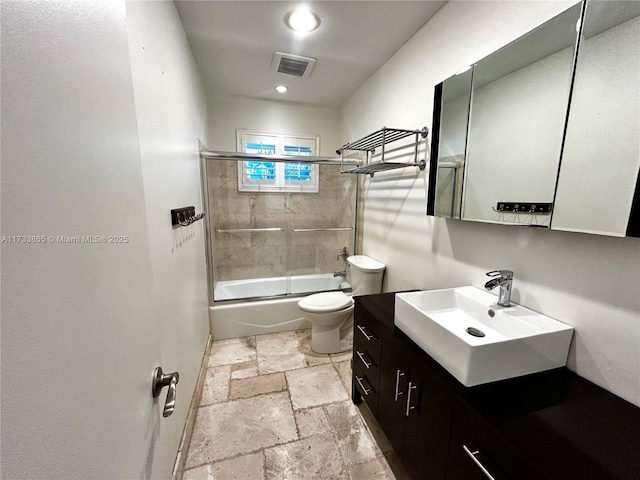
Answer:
(368, 337)
(398, 392)
(409, 407)
(361, 355)
(477, 462)
(366, 390)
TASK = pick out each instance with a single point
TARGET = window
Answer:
(265, 176)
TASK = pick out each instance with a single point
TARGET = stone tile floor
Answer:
(273, 409)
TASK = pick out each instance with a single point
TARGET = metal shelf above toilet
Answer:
(378, 139)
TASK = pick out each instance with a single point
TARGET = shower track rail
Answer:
(244, 157)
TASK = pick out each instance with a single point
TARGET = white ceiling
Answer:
(233, 42)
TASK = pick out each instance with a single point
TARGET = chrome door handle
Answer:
(398, 392)
(366, 364)
(409, 407)
(361, 328)
(366, 390)
(161, 380)
(477, 462)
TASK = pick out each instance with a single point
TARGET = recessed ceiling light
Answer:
(302, 20)
(282, 88)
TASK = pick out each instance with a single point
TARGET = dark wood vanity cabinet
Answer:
(410, 406)
(547, 426)
(415, 408)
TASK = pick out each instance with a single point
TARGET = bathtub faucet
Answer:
(344, 253)
(340, 274)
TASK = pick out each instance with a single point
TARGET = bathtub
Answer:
(257, 317)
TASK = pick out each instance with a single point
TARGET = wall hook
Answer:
(185, 216)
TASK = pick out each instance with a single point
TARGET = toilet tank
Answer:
(366, 274)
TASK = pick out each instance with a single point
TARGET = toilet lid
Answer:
(325, 302)
(366, 264)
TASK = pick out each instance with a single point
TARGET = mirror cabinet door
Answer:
(448, 157)
(601, 157)
(518, 111)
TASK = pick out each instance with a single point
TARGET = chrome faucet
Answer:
(344, 253)
(504, 280)
(340, 274)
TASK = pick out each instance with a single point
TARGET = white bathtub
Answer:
(257, 317)
(271, 287)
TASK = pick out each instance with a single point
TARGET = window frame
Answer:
(280, 184)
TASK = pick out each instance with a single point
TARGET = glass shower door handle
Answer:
(161, 380)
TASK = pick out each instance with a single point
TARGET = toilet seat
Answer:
(325, 302)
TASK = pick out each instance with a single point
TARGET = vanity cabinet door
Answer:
(392, 399)
(476, 452)
(427, 426)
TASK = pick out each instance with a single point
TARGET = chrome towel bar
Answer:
(328, 229)
(279, 229)
(245, 230)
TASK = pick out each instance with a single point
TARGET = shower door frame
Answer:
(208, 155)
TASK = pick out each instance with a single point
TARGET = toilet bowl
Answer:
(331, 313)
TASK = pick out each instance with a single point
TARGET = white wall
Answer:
(90, 148)
(171, 117)
(587, 281)
(228, 113)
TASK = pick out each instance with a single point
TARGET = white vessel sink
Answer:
(517, 341)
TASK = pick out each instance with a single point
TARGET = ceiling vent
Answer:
(290, 64)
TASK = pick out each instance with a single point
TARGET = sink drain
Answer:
(475, 332)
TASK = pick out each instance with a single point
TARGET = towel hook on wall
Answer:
(185, 216)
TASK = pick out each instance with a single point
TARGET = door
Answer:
(79, 333)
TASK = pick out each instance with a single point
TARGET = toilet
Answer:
(331, 313)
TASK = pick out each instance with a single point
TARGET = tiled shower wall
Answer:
(239, 256)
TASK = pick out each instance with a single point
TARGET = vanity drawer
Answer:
(474, 449)
(367, 386)
(368, 365)
(366, 340)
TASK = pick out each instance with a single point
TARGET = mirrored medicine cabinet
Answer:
(546, 131)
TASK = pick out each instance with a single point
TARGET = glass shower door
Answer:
(321, 226)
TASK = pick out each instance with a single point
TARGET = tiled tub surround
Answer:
(271, 408)
(238, 256)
